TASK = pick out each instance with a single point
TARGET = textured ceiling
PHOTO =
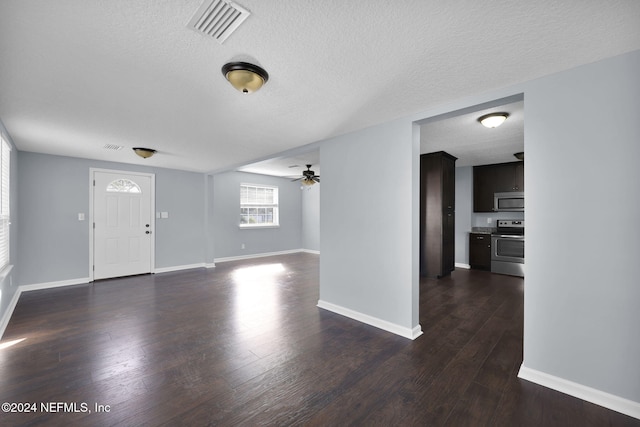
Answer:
(288, 166)
(464, 137)
(78, 74)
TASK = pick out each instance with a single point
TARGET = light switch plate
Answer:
(81, 216)
(164, 215)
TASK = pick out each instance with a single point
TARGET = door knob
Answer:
(147, 232)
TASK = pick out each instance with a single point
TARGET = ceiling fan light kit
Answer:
(493, 120)
(245, 77)
(308, 177)
(145, 153)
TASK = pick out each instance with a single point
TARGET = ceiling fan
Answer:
(308, 177)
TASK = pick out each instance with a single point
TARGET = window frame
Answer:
(256, 204)
(5, 203)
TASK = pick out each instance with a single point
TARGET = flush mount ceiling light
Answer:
(144, 152)
(493, 120)
(245, 77)
(519, 156)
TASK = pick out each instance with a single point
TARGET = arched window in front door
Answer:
(123, 185)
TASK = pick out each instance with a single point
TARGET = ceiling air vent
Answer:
(113, 147)
(218, 18)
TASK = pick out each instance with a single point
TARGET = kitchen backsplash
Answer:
(479, 219)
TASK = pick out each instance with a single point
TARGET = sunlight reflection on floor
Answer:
(257, 296)
(11, 343)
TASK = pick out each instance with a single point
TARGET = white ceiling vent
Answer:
(113, 147)
(218, 18)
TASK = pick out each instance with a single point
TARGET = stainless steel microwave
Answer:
(512, 201)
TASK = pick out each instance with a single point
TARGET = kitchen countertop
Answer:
(483, 230)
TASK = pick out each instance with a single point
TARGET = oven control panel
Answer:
(510, 223)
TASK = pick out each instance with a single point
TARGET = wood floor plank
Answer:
(245, 344)
(476, 407)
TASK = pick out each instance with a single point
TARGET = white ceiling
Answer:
(78, 74)
(286, 166)
(464, 137)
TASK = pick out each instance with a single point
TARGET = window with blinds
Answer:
(258, 206)
(5, 211)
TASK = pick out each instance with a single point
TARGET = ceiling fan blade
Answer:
(297, 179)
(316, 178)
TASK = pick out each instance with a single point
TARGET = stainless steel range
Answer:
(507, 248)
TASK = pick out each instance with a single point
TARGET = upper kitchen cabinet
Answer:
(496, 178)
(437, 214)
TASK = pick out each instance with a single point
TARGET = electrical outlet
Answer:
(242, 246)
(489, 220)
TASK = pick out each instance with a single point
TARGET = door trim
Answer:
(152, 177)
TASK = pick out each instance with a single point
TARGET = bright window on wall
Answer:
(258, 206)
(5, 212)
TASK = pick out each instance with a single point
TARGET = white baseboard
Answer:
(607, 400)
(412, 334)
(261, 255)
(310, 251)
(180, 267)
(49, 285)
(461, 265)
(415, 332)
(4, 322)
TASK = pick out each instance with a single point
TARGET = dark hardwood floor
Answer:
(244, 344)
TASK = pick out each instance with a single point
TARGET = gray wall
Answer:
(368, 261)
(181, 239)
(311, 218)
(54, 245)
(464, 212)
(582, 286)
(8, 282)
(229, 237)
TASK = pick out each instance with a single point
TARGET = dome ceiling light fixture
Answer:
(519, 156)
(245, 77)
(493, 120)
(145, 153)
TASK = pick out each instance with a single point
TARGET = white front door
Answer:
(123, 227)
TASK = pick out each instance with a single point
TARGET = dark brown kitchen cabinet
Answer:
(480, 251)
(496, 178)
(437, 214)
(519, 180)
